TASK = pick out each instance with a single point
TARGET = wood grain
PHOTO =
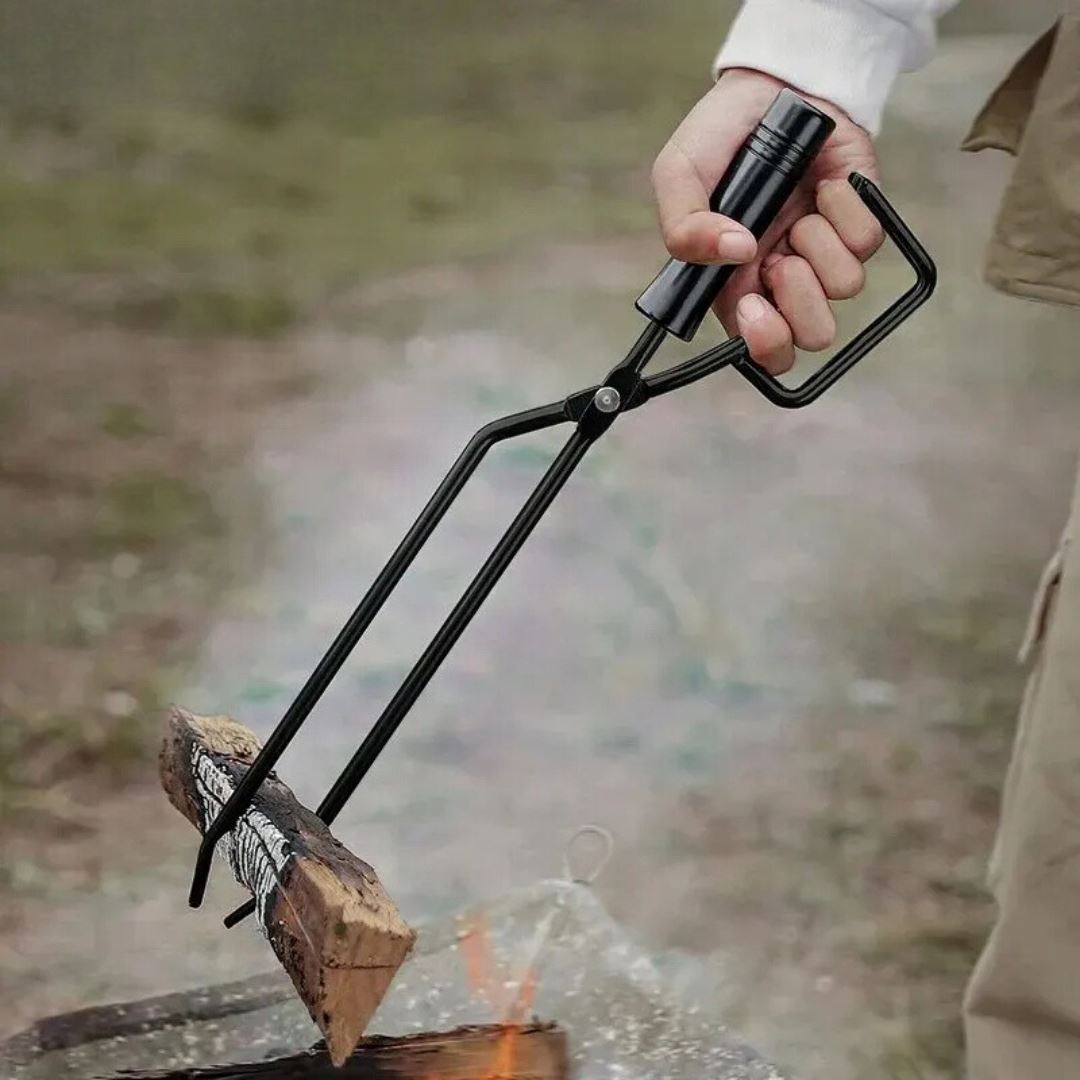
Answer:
(324, 911)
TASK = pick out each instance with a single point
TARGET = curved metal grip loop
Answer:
(925, 280)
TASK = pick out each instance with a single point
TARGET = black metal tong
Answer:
(756, 185)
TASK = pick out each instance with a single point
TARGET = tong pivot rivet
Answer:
(607, 399)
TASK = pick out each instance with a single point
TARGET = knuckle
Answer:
(678, 241)
(656, 175)
(778, 363)
(846, 283)
(815, 342)
(795, 275)
(805, 231)
(662, 168)
(866, 239)
(816, 338)
(788, 272)
(828, 192)
(658, 166)
(775, 351)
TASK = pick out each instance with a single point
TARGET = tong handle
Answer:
(752, 191)
(916, 256)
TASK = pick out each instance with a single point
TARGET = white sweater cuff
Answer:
(844, 51)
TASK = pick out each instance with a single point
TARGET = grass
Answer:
(91, 652)
(424, 136)
(207, 169)
(222, 229)
(153, 510)
(47, 748)
(124, 420)
(122, 519)
(204, 311)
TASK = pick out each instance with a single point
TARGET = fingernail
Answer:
(751, 307)
(736, 246)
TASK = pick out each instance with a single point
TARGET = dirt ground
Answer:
(773, 653)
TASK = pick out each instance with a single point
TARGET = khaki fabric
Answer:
(1022, 1011)
(1022, 1008)
(1035, 114)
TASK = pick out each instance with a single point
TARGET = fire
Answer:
(481, 967)
(510, 999)
(504, 1053)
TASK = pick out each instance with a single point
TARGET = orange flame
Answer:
(481, 967)
(504, 1052)
(490, 980)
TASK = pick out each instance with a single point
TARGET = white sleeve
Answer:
(848, 52)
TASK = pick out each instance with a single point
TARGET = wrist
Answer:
(844, 53)
(771, 85)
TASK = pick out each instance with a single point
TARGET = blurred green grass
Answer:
(237, 204)
(217, 227)
(207, 168)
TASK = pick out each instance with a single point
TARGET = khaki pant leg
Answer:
(1022, 1010)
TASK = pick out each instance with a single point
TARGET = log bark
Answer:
(494, 1052)
(325, 913)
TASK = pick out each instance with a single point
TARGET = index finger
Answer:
(693, 232)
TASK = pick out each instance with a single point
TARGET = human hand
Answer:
(779, 296)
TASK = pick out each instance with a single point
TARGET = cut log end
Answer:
(324, 911)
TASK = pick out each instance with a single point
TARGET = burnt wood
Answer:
(325, 913)
(493, 1052)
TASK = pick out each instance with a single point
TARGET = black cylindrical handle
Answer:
(756, 185)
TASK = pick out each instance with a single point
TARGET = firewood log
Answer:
(325, 913)
(494, 1052)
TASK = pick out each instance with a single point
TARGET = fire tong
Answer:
(756, 185)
